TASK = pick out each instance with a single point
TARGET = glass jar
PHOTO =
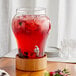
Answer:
(31, 28)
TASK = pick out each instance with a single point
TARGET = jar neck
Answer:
(31, 11)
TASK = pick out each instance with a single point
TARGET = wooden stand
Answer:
(31, 64)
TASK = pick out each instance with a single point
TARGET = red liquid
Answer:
(31, 32)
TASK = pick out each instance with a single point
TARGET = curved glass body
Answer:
(31, 28)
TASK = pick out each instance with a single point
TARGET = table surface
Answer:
(8, 64)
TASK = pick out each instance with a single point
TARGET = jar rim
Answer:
(31, 9)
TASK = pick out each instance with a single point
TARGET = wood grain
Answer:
(25, 64)
(8, 64)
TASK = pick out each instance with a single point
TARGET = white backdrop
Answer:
(61, 12)
(8, 10)
(66, 20)
(4, 27)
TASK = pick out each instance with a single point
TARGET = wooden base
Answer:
(31, 64)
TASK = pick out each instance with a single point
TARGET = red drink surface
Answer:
(31, 32)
